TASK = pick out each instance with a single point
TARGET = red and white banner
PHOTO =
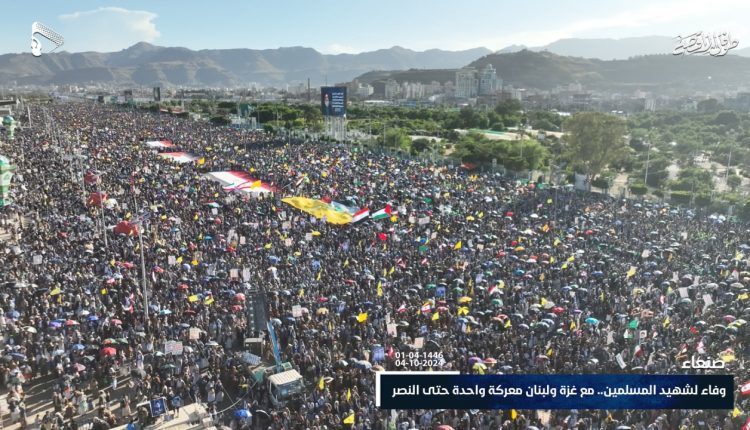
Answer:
(179, 157)
(240, 181)
(160, 144)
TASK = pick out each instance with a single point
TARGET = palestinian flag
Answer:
(383, 213)
(160, 144)
(362, 214)
(745, 388)
(179, 157)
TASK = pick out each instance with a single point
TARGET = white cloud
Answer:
(336, 48)
(107, 29)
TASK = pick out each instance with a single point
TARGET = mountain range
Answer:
(663, 74)
(149, 65)
(596, 63)
(612, 49)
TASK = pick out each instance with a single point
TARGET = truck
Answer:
(283, 382)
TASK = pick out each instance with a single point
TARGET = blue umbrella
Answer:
(597, 274)
(18, 356)
(93, 318)
(14, 314)
(592, 321)
(79, 347)
(55, 324)
(165, 312)
(519, 272)
(242, 413)
(207, 238)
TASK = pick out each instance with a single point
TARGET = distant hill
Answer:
(545, 70)
(611, 49)
(146, 64)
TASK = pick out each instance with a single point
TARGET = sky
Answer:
(353, 26)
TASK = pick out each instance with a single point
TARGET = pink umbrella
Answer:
(239, 297)
(108, 352)
(70, 323)
(115, 321)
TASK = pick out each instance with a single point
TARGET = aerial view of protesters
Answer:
(268, 279)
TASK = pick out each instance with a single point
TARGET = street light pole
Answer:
(648, 160)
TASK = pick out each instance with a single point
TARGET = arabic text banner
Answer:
(428, 390)
(319, 209)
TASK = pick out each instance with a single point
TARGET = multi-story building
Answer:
(489, 83)
(467, 84)
(392, 89)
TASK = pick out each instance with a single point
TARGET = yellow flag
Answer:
(468, 329)
(394, 218)
(113, 262)
(348, 394)
(349, 419)
(571, 259)
(545, 228)
(564, 266)
(393, 269)
(56, 291)
(463, 310)
(179, 259)
(541, 277)
(549, 201)
(193, 298)
(195, 217)
(346, 263)
(550, 352)
(362, 317)
(385, 272)
(380, 290)
(302, 292)
(631, 272)
(104, 291)
(480, 215)
(201, 161)
(501, 284)
(458, 245)
(742, 297)
(209, 300)
(194, 262)
(317, 278)
(572, 325)
(543, 301)
(321, 384)
(436, 316)
(736, 412)
(739, 256)
(556, 242)
(267, 246)
(666, 322)
(513, 414)
(507, 323)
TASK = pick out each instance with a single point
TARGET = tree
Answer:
(708, 106)
(734, 181)
(397, 138)
(420, 145)
(508, 107)
(595, 140)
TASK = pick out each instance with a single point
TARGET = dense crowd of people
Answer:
(528, 278)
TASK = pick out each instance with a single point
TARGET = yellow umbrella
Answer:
(322, 311)
(464, 299)
(520, 249)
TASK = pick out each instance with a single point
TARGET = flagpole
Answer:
(143, 263)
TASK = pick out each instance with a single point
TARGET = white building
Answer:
(466, 83)
(489, 83)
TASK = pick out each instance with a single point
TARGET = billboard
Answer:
(333, 101)
(157, 94)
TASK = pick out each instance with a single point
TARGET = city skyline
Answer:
(353, 28)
